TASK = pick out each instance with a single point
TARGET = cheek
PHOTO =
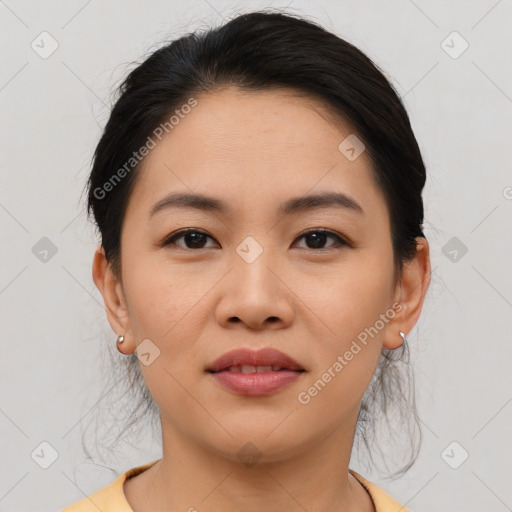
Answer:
(353, 312)
(347, 354)
(168, 307)
(352, 295)
(162, 311)
(157, 295)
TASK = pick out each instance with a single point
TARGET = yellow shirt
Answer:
(112, 499)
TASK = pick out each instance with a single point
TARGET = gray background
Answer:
(54, 329)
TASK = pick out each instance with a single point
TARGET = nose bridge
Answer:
(252, 293)
(251, 261)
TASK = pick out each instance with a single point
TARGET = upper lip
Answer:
(262, 357)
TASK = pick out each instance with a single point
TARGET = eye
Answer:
(194, 239)
(317, 238)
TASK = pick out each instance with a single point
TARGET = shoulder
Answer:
(382, 500)
(109, 499)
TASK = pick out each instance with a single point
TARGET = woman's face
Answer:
(251, 276)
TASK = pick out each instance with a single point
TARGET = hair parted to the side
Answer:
(259, 51)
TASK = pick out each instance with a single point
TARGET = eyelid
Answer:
(341, 241)
(182, 232)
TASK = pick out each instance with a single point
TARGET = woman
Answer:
(257, 189)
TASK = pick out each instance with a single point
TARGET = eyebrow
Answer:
(291, 206)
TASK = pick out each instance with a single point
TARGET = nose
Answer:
(255, 295)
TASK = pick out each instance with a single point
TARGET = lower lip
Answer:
(265, 383)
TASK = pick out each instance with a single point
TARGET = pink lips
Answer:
(262, 357)
(284, 370)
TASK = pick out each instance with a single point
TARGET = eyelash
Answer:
(340, 241)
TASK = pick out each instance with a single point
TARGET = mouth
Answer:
(248, 369)
(255, 373)
(248, 361)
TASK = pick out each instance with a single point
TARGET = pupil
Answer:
(195, 238)
(318, 239)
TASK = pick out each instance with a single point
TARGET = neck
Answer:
(193, 478)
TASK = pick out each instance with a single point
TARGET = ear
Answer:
(113, 296)
(410, 293)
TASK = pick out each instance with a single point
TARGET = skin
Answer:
(255, 150)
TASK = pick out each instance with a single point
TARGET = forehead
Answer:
(255, 148)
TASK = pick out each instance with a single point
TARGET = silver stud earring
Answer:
(403, 336)
(120, 339)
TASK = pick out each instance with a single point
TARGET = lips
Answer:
(255, 372)
(254, 361)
